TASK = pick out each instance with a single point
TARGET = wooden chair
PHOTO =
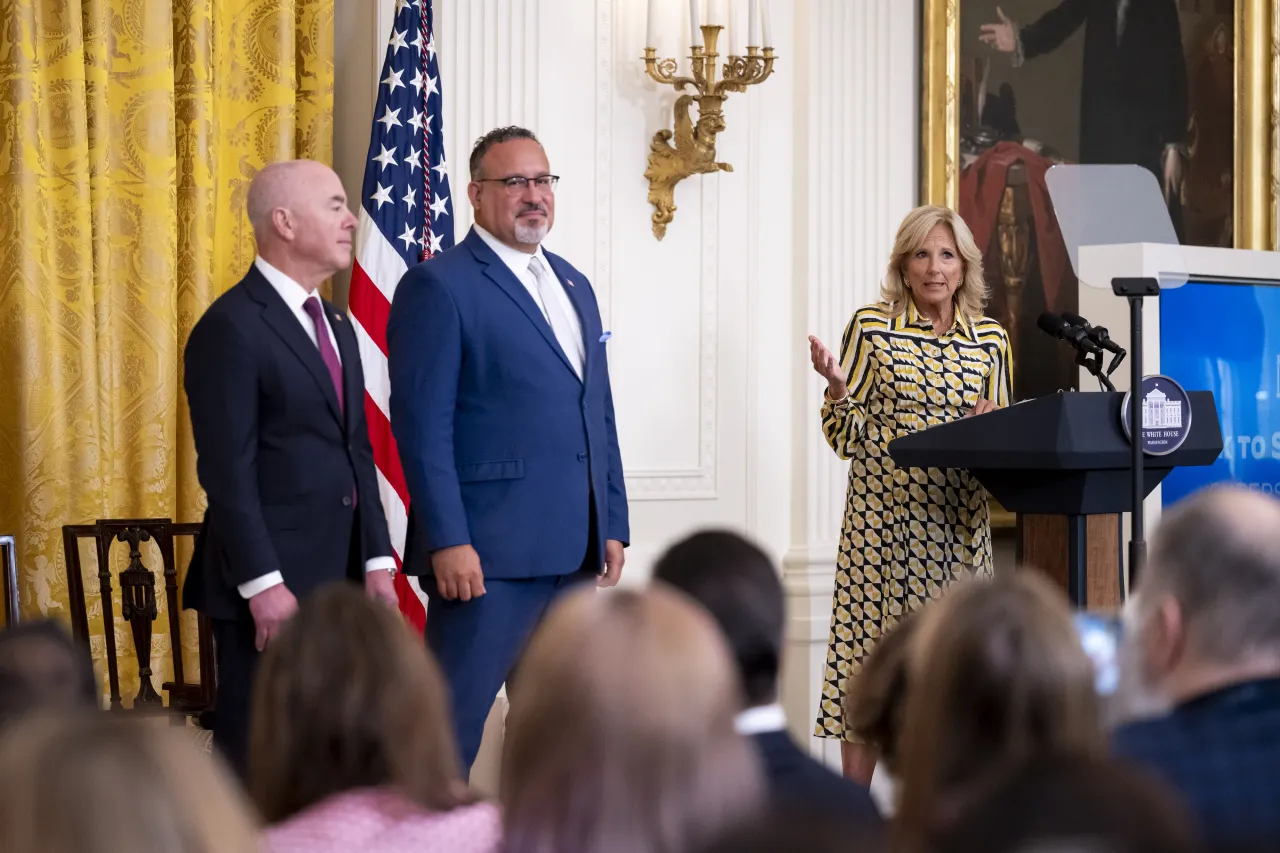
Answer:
(138, 608)
(9, 554)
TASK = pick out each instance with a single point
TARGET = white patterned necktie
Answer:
(549, 289)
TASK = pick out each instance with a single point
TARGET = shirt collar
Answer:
(290, 291)
(515, 260)
(915, 319)
(761, 719)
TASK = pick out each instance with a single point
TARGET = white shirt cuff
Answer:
(379, 564)
(257, 585)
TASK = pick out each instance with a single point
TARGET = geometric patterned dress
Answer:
(907, 532)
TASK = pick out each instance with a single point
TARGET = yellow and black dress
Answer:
(907, 532)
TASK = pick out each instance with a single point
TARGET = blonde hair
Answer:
(997, 676)
(971, 296)
(621, 731)
(346, 697)
(96, 783)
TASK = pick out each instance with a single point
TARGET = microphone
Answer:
(1075, 336)
(1100, 336)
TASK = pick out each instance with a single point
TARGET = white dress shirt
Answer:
(294, 295)
(518, 262)
(761, 719)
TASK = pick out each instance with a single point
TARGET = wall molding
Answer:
(697, 483)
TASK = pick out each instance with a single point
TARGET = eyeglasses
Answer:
(516, 184)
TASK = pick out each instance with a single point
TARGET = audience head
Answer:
(1077, 804)
(875, 699)
(620, 735)
(519, 216)
(998, 676)
(935, 261)
(346, 697)
(799, 830)
(98, 783)
(1208, 601)
(43, 669)
(737, 584)
(300, 220)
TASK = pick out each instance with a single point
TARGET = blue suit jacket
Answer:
(502, 446)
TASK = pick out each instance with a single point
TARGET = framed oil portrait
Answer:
(1184, 88)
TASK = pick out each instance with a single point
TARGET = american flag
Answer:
(406, 216)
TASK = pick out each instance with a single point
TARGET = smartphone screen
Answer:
(1100, 635)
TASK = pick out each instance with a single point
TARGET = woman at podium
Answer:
(924, 355)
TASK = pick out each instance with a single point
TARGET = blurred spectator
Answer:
(43, 669)
(620, 737)
(997, 677)
(1207, 640)
(791, 829)
(99, 783)
(875, 701)
(1076, 804)
(738, 585)
(351, 745)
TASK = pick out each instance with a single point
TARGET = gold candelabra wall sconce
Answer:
(690, 148)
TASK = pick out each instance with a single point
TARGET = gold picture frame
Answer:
(1257, 108)
(1256, 166)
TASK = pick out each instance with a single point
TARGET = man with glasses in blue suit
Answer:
(503, 414)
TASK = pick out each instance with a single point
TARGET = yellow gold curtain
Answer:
(130, 130)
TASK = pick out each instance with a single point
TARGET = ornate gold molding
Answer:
(939, 116)
(1257, 99)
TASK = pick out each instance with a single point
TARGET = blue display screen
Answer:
(1225, 338)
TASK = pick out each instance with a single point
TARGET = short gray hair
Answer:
(495, 137)
(1217, 554)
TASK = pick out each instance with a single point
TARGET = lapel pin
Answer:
(606, 336)
(337, 316)
(570, 281)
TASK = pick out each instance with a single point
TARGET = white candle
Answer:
(768, 29)
(735, 31)
(753, 27)
(695, 21)
(651, 36)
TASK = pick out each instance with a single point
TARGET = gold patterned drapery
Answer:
(129, 131)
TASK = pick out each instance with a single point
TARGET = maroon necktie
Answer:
(313, 309)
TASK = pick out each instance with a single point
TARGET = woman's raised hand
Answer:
(826, 366)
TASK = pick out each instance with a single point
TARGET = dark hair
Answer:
(30, 681)
(737, 584)
(801, 829)
(997, 676)
(495, 137)
(346, 697)
(875, 698)
(1095, 804)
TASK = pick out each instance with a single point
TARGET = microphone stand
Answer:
(1134, 289)
(1094, 366)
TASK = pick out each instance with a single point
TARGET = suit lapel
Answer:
(282, 321)
(501, 275)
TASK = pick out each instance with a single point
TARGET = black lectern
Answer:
(1062, 454)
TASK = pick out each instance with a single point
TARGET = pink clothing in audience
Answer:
(382, 820)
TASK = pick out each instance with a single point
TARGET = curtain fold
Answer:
(129, 132)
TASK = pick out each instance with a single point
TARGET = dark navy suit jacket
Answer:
(502, 446)
(286, 473)
(796, 780)
(1221, 752)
